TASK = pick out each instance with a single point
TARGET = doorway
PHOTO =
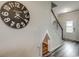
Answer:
(70, 23)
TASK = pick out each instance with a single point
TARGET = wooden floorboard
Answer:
(69, 49)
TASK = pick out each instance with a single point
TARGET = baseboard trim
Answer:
(71, 40)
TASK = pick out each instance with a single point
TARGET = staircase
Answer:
(52, 6)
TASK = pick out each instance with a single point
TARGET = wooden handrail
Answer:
(57, 22)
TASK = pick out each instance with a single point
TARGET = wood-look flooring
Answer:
(69, 49)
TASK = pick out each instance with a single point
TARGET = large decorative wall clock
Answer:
(15, 14)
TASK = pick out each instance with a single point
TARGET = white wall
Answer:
(55, 33)
(26, 41)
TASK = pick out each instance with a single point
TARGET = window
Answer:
(69, 26)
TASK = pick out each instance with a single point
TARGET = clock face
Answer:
(15, 14)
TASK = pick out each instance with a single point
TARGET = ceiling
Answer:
(65, 6)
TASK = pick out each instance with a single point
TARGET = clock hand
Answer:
(22, 18)
(18, 16)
